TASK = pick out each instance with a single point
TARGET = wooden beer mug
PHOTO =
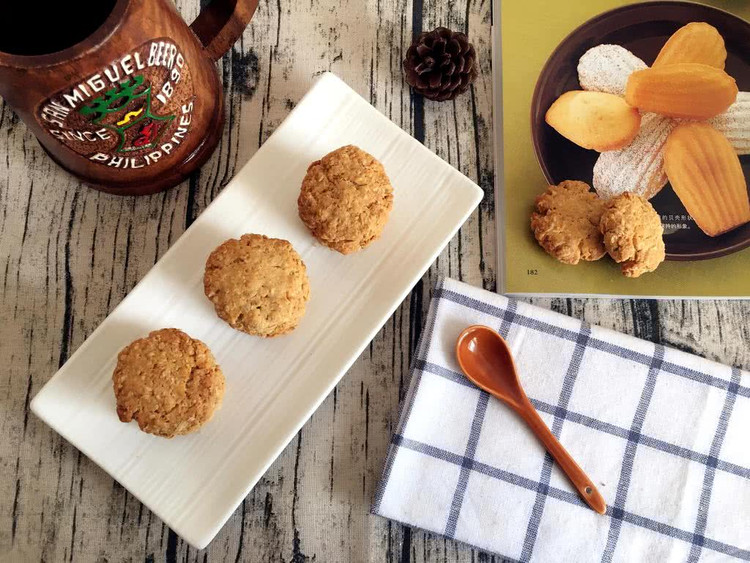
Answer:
(126, 98)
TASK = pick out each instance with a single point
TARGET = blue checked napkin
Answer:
(665, 436)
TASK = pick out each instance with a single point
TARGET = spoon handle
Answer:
(580, 480)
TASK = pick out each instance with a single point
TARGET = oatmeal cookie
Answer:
(565, 222)
(257, 284)
(632, 234)
(345, 199)
(168, 382)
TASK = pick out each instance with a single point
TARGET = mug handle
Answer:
(221, 23)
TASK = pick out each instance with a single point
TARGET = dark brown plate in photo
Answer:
(643, 29)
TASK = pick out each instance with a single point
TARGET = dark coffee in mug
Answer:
(31, 28)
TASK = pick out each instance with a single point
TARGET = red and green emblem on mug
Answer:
(131, 114)
(124, 118)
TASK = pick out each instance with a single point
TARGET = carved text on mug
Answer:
(131, 114)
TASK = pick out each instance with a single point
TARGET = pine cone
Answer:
(441, 64)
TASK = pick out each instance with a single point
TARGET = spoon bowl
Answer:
(487, 362)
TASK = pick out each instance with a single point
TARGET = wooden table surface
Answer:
(68, 255)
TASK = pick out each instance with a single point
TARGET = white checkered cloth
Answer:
(664, 435)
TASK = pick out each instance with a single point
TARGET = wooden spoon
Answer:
(486, 360)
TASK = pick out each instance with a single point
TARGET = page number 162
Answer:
(532, 272)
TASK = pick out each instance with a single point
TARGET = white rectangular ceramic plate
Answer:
(195, 482)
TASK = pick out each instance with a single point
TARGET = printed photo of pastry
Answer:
(657, 106)
(572, 223)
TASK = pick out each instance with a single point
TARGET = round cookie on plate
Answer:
(257, 284)
(168, 382)
(346, 198)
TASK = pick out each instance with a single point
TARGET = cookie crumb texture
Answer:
(633, 234)
(346, 198)
(257, 284)
(168, 382)
(565, 222)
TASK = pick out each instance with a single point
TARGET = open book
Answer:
(538, 47)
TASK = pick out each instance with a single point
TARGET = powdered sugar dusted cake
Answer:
(606, 68)
(735, 123)
(639, 167)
